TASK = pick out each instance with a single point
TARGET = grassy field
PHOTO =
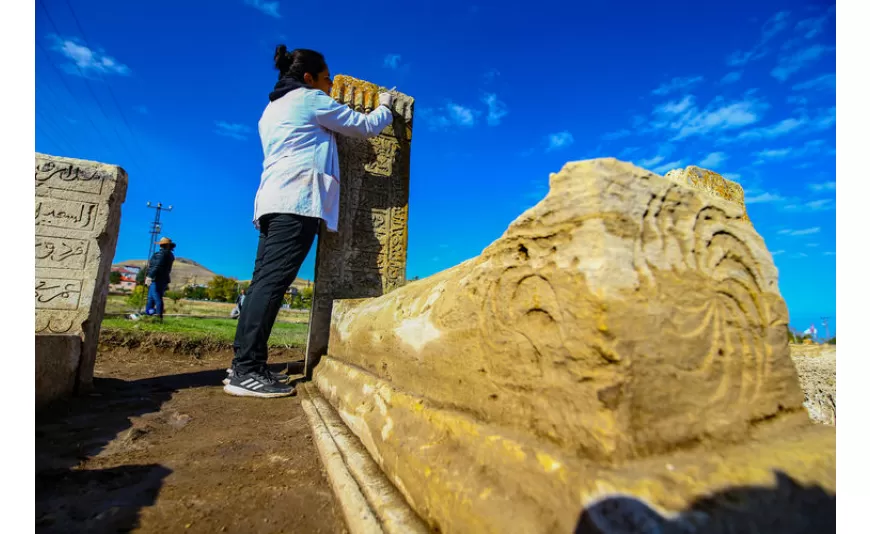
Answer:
(118, 304)
(221, 330)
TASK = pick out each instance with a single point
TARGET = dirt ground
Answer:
(158, 447)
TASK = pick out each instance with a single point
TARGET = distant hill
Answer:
(186, 271)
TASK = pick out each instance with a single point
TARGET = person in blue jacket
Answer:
(157, 278)
(299, 189)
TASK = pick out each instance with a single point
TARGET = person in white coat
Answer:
(299, 188)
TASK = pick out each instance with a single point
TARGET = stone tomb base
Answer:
(57, 363)
(616, 362)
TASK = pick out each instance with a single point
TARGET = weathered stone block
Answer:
(367, 256)
(78, 214)
(624, 324)
(711, 183)
(57, 360)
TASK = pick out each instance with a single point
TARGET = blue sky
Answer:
(172, 91)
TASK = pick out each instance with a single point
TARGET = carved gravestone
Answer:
(367, 256)
(78, 213)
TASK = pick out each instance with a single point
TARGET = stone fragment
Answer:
(626, 336)
(368, 254)
(711, 183)
(78, 213)
(57, 360)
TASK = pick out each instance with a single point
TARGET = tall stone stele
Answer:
(368, 254)
(78, 213)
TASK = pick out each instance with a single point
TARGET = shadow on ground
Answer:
(74, 497)
(788, 508)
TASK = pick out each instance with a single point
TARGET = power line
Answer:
(71, 94)
(65, 143)
(47, 134)
(88, 84)
(108, 87)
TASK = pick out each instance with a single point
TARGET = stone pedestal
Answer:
(78, 214)
(366, 257)
(618, 356)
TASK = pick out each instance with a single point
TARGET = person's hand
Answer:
(386, 99)
(147, 280)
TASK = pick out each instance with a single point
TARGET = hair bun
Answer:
(282, 58)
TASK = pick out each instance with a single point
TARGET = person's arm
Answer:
(341, 119)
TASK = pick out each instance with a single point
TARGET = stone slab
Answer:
(626, 336)
(368, 499)
(367, 256)
(463, 473)
(57, 361)
(78, 214)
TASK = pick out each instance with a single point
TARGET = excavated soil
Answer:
(158, 447)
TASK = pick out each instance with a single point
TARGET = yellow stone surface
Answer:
(461, 474)
(711, 183)
(626, 336)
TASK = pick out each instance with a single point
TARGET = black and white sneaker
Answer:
(277, 377)
(257, 385)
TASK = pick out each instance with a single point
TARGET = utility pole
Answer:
(825, 324)
(155, 230)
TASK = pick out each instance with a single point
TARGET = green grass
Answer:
(118, 304)
(223, 330)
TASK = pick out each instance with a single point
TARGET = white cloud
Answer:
(559, 140)
(732, 77)
(739, 59)
(491, 75)
(391, 61)
(496, 109)
(799, 255)
(798, 233)
(823, 82)
(821, 204)
(771, 28)
(267, 8)
(800, 101)
(714, 159)
(228, 129)
(619, 134)
(763, 198)
(733, 176)
(789, 64)
(809, 148)
(686, 119)
(84, 60)
(676, 84)
(777, 252)
(825, 119)
(824, 186)
(651, 162)
(662, 169)
(451, 114)
(829, 253)
(628, 151)
(813, 205)
(811, 245)
(774, 26)
(813, 26)
(461, 115)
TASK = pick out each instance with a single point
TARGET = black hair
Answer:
(296, 63)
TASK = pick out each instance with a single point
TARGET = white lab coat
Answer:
(300, 158)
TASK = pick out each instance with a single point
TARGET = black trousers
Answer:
(285, 240)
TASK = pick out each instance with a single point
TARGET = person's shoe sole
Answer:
(242, 392)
